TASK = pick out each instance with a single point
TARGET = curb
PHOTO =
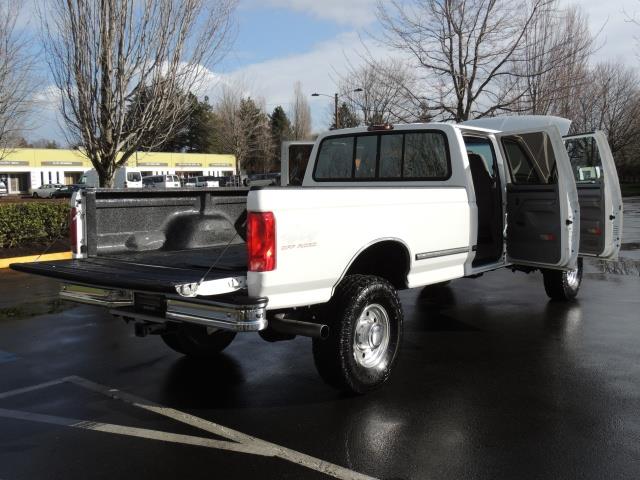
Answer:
(5, 262)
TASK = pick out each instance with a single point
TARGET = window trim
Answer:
(353, 179)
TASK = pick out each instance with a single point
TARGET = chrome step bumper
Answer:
(240, 314)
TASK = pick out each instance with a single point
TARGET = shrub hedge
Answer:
(32, 222)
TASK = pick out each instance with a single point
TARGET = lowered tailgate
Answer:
(109, 272)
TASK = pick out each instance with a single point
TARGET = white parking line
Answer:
(131, 431)
(240, 442)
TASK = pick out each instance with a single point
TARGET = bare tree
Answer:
(610, 101)
(466, 49)
(102, 52)
(243, 130)
(557, 47)
(300, 115)
(16, 77)
(380, 91)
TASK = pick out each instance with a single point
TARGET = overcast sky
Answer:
(280, 42)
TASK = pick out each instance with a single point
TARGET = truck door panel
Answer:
(533, 231)
(542, 202)
(599, 194)
(592, 219)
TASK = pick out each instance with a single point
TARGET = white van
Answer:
(161, 181)
(125, 177)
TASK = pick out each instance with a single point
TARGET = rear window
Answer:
(133, 176)
(420, 155)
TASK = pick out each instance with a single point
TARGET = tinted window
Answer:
(425, 156)
(158, 179)
(133, 176)
(366, 155)
(483, 148)
(391, 156)
(335, 159)
(520, 164)
(531, 158)
(410, 156)
(585, 159)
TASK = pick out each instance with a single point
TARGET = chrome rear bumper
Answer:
(242, 315)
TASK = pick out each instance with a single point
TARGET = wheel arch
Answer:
(388, 258)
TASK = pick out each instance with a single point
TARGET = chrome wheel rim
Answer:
(573, 278)
(371, 338)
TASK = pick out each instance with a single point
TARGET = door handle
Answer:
(612, 217)
(569, 222)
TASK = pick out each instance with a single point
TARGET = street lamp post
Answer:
(335, 102)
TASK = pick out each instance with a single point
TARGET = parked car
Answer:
(161, 181)
(207, 182)
(66, 191)
(379, 209)
(3, 189)
(46, 191)
(189, 182)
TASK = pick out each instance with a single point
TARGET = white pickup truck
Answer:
(379, 209)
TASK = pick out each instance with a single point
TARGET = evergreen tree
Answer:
(255, 125)
(348, 118)
(195, 133)
(280, 127)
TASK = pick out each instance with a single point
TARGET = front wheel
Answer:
(198, 341)
(365, 321)
(563, 285)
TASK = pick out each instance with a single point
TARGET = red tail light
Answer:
(261, 241)
(73, 230)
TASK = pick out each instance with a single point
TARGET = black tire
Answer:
(335, 358)
(195, 341)
(562, 285)
(35, 195)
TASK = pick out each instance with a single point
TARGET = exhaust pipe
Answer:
(288, 326)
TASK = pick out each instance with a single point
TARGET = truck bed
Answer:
(157, 240)
(154, 271)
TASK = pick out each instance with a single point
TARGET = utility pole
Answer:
(336, 96)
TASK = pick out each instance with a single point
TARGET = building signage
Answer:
(13, 163)
(61, 163)
(153, 164)
(193, 164)
(218, 164)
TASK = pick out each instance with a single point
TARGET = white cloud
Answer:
(273, 80)
(346, 12)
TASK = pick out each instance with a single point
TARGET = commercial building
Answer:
(24, 169)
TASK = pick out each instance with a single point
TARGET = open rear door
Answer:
(598, 193)
(542, 202)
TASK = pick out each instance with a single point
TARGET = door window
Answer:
(530, 158)
(585, 159)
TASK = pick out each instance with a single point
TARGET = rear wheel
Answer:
(198, 341)
(35, 195)
(563, 285)
(365, 321)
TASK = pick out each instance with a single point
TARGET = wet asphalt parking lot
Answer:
(494, 381)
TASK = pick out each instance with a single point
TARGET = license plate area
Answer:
(150, 304)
